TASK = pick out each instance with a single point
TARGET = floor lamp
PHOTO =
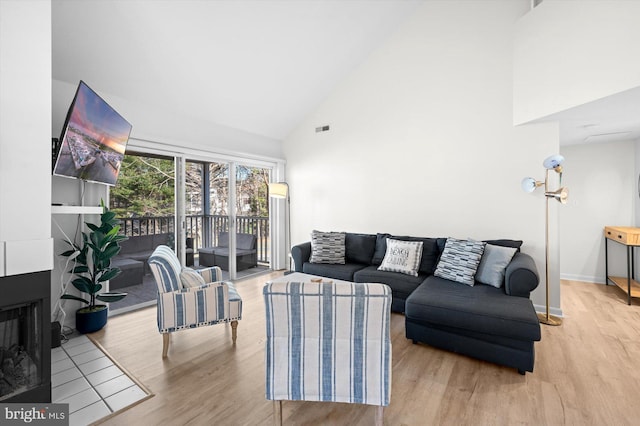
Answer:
(561, 195)
(281, 190)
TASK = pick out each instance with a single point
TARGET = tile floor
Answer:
(86, 379)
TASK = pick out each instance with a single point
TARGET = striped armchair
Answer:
(191, 302)
(328, 342)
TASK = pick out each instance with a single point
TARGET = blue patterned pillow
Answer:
(459, 261)
(328, 247)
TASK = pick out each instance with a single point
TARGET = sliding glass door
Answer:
(214, 221)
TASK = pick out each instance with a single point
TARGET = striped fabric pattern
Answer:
(459, 260)
(196, 307)
(328, 247)
(328, 342)
(166, 269)
(211, 274)
(180, 308)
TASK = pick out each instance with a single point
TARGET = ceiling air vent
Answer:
(607, 137)
(322, 129)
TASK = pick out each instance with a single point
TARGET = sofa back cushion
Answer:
(430, 251)
(360, 248)
(506, 243)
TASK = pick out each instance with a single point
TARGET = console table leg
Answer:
(629, 273)
(606, 261)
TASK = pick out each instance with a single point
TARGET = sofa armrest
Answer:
(300, 254)
(521, 276)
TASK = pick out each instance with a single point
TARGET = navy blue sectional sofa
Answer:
(498, 325)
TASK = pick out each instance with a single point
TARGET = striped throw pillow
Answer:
(328, 247)
(402, 256)
(190, 278)
(459, 260)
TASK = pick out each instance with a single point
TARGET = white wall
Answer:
(25, 136)
(568, 53)
(602, 182)
(422, 139)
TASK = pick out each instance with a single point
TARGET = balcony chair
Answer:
(328, 342)
(190, 298)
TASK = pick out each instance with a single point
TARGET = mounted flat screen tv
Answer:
(93, 140)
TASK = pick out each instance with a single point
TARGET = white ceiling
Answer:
(610, 119)
(255, 65)
(258, 66)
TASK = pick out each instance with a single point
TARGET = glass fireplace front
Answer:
(25, 338)
(20, 349)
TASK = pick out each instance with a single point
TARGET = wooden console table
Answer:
(629, 237)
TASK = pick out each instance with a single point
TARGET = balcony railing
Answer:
(204, 230)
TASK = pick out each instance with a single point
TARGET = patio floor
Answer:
(144, 294)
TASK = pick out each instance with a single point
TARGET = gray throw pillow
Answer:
(459, 261)
(402, 256)
(493, 264)
(327, 247)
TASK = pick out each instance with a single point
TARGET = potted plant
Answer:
(92, 267)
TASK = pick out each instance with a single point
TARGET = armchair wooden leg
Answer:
(165, 344)
(234, 331)
(277, 413)
(379, 416)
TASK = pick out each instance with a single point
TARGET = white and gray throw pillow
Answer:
(459, 260)
(494, 264)
(190, 278)
(402, 256)
(328, 247)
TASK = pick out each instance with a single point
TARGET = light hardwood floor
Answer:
(585, 372)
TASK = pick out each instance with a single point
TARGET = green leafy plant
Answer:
(93, 261)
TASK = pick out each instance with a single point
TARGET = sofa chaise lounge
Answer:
(498, 325)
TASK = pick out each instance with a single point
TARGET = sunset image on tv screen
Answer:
(93, 141)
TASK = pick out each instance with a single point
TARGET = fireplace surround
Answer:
(25, 338)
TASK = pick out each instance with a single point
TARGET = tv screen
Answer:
(94, 138)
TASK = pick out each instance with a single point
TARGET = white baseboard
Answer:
(583, 278)
(552, 311)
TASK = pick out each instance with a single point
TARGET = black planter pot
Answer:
(90, 321)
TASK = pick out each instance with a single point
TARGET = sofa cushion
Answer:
(459, 260)
(430, 251)
(493, 264)
(359, 248)
(481, 308)
(402, 256)
(339, 272)
(505, 243)
(327, 247)
(401, 284)
(381, 249)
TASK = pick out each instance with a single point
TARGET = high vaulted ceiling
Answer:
(258, 66)
(255, 65)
